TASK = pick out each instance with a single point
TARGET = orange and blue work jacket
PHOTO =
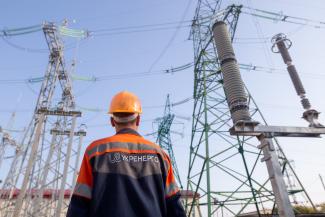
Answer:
(125, 176)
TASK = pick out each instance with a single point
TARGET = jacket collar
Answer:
(128, 131)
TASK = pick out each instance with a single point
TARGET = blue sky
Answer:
(136, 52)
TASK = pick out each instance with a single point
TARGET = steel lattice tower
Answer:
(225, 170)
(164, 138)
(47, 157)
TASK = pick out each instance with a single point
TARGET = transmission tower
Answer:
(47, 157)
(164, 138)
(224, 169)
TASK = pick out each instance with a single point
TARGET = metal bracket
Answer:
(251, 128)
(67, 132)
(58, 112)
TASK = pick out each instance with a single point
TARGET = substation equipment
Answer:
(224, 166)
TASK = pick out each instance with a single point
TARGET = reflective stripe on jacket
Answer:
(126, 176)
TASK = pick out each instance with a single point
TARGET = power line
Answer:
(99, 32)
(21, 31)
(280, 17)
(104, 78)
(33, 50)
(146, 107)
(182, 101)
(137, 31)
(63, 30)
(260, 34)
(99, 110)
(172, 37)
(247, 67)
(140, 26)
(147, 73)
(250, 40)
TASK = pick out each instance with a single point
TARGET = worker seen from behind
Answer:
(125, 175)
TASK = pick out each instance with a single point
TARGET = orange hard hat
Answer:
(125, 102)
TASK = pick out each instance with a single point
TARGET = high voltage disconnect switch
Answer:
(222, 167)
(234, 89)
(265, 133)
(282, 43)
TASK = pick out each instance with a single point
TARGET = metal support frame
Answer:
(6, 137)
(281, 44)
(254, 129)
(224, 169)
(6, 140)
(81, 133)
(265, 135)
(276, 177)
(30, 164)
(164, 138)
(65, 169)
(39, 164)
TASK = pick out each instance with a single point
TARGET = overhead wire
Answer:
(260, 34)
(280, 17)
(275, 16)
(63, 30)
(6, 33)
(247, 67)
(145, 73)
(20, 31)
(104, 78)
(98, 110)
(252, 11)
(182, 101)
(136, 27)
(137, 31)
(33, 50)
(258, 40)
(171, 40)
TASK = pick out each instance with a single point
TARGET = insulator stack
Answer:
(233, 83)
(305, 103)
(283, 44)
(296, 80)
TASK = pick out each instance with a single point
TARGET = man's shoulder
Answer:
(158, 147)
(118, 138)
(99, 142)
(146, 141)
